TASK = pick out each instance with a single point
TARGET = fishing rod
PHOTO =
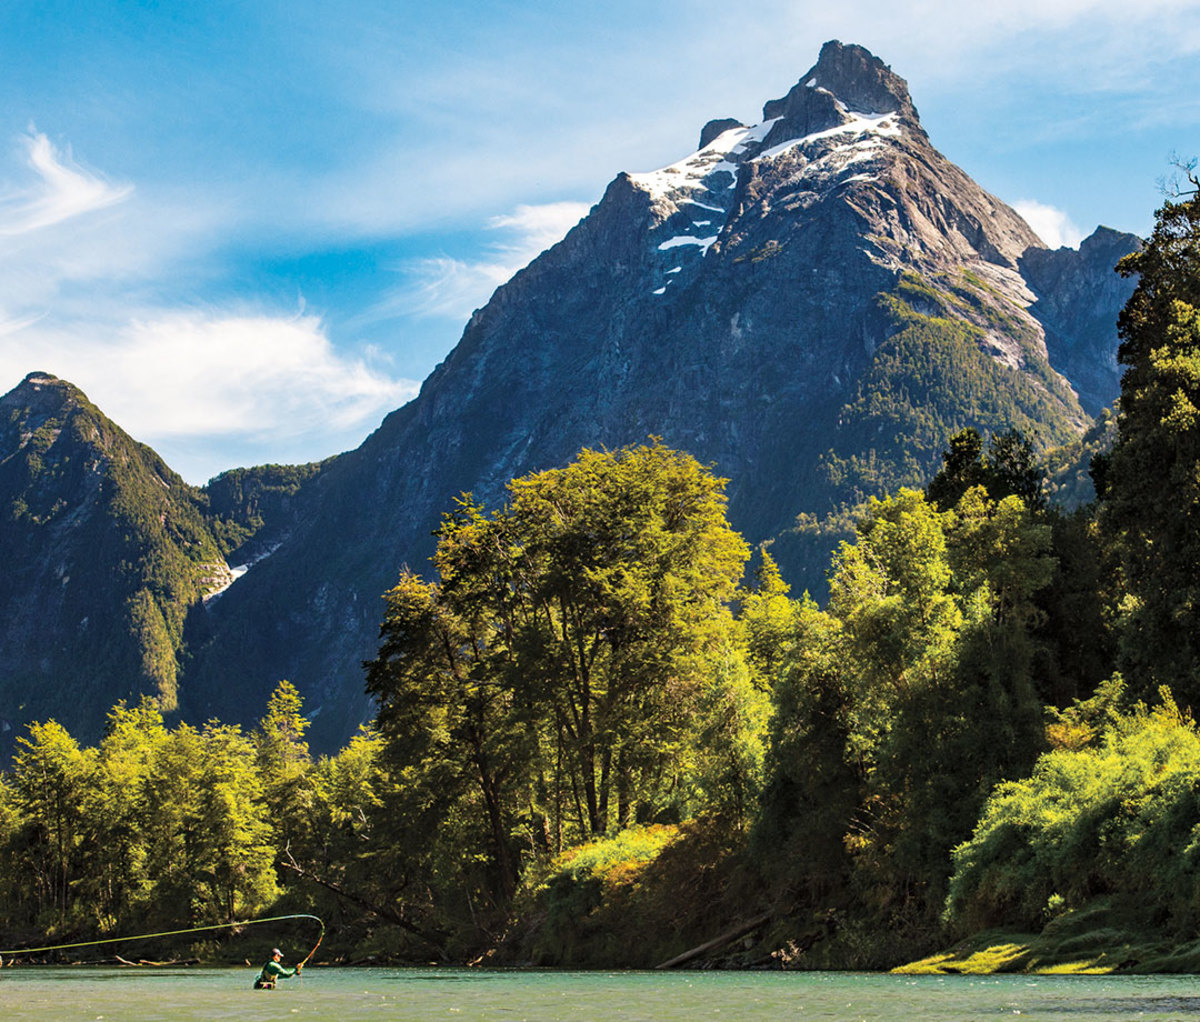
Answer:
(173, 933)
(320, 937)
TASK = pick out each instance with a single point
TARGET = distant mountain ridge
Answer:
(104, 551)
(108, 556)
(812, 304)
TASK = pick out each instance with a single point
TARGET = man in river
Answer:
(274, 970)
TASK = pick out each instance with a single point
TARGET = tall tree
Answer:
(935, 654)
(284, 764)
(50, 780)
(115, 813)
(1152, 482)
(451, 723)
(1007, 467)
(558, 674)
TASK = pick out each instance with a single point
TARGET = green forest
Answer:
(597, 744)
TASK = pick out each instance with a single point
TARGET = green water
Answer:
(350, 995)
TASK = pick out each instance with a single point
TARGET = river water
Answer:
(351, 995)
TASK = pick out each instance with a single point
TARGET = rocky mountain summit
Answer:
(813, 304)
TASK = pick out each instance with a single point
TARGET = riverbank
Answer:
(1095, 940)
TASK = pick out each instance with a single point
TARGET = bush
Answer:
(1116, 820)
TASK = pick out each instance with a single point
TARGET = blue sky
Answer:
(248, 230)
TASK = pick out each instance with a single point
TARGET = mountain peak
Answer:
(845, 80)
(41, 393)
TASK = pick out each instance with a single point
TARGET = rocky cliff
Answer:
(1076, 291)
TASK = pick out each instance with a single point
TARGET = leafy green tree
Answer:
(208, 838)
(556, 681)
(813, 783)
(627, 565)
(1152, 481)
(228, 836)
(348, 791)
(891, 589)
(766, 621)
(1076, 635)
(13, 883)
(115, 881)
(729, 737)
(284, 764)
(50, 779)
(1110, 817)
(1008, 467)
(453, 728)
(935, 653)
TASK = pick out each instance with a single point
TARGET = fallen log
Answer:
(727, 937)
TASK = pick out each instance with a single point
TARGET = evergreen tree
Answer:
(1152, 482)
(1008, 467)
(284, 764)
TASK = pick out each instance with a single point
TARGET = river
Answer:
(456, 995)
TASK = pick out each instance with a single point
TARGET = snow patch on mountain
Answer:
(684, 239)
(674, 183)
(878, 125)
(236, 571)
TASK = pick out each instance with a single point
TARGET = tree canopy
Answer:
(574, 656)
(1152, 482)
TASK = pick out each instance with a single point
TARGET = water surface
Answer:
(351, 995)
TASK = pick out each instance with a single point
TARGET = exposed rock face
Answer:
(717, 127)
(1077, 291)
(845, 78)
(813, 304)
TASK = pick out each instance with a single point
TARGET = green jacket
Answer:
(273, 971)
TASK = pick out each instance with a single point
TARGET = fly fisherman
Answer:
(274, 970)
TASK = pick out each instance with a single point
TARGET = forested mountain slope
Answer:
(105, 551)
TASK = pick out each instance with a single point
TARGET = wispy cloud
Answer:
(452, 288)
(1052, 225)
(62, 191)
(537, 227)
(443, 287)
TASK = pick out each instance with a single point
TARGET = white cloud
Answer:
(453, 288)
(179, 379)
(538, 227)
(107, 300)
(1052, 225)
(63, 190)
(187, 373)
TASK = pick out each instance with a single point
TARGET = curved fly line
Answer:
(173, 933)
